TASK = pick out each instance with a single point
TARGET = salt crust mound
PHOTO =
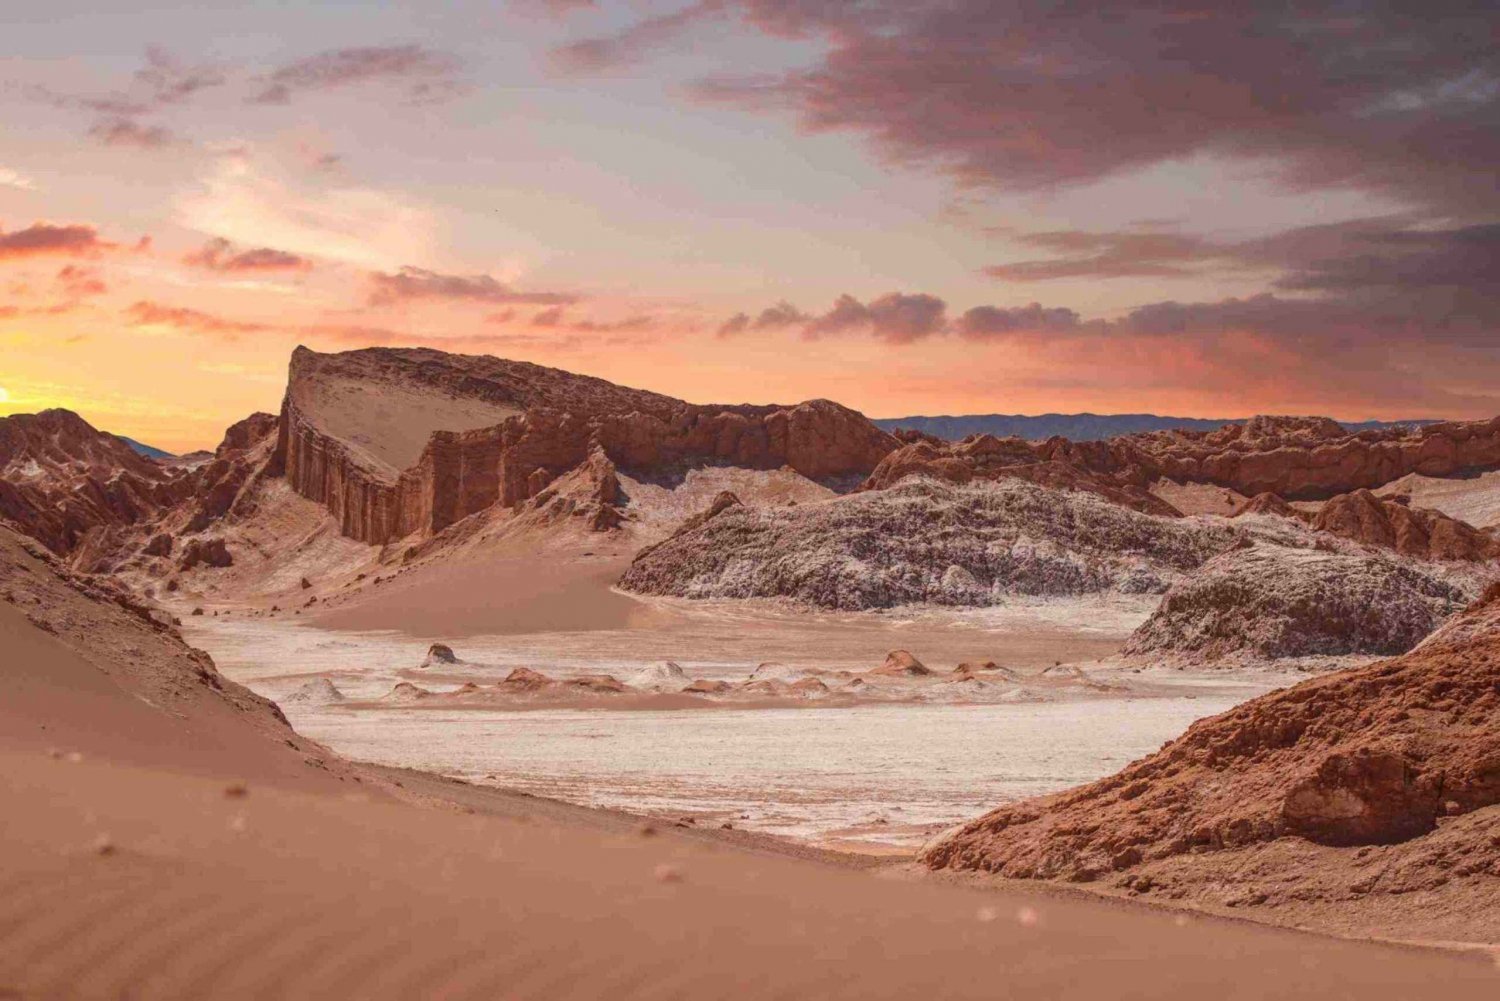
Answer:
(926, 541)
(1264, 601)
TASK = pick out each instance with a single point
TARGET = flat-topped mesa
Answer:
(399, 441)
(1296, 458)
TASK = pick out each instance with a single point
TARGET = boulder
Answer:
(901, 662)
(439, 653)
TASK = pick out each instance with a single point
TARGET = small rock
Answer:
(667, 873)
(104, 845)
(236, 790)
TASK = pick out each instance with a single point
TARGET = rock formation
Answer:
(1260, 601)
(1295, 458)
(927, 541)
(1382, 755)
(902, 663)
(61, 478)
(499, 432)
(1419, 532)
(205, 552)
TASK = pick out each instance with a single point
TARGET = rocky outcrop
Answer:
(1260, 601)
(985, 457)
(205, 552)
(560, 422)
(904, 664)
(1268, 503)
(927, 541)
(1419, 532)
(1379, 755)
(61, 479)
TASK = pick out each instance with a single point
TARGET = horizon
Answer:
(208, 446)
(1258, 211)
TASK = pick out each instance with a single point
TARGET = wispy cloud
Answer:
(131, 133)
(417, 283)
(221, 255)
(635, 42)
(422, 73)
(246, 200)
(15, 179)
(153, 314)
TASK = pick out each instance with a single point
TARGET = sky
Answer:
(909, 206)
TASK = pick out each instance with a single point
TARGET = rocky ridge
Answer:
(1295, 458)
(1285, 799)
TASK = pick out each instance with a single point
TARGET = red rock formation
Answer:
(1371, 756)
(207, 552)
(1419, 532)
(563, 420)
(1298, 458)
(61, 478)
(1056, 463)
(1268, 503)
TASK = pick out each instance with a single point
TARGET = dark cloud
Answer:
(736, 324)
(220, 255)
(129, 132)
(1388, 96)
(146, 313)
(417, 283)
(896, 318)
(45, 240)
(783, 314)
(424, 74)
(983, 322)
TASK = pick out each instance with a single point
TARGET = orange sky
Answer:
(187, 193)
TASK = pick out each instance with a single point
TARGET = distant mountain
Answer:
(1077, 427)
(146, 450)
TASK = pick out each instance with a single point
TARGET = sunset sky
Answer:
(910, 207)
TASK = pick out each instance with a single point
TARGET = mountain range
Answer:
(1080, 427)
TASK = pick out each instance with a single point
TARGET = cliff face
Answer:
(546, 423)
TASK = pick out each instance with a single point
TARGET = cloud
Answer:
(152, 314)
(45, 240)
(248, 201)
(220, 255)
(417, 283)
(168, 80)
(424, 74)
(896, 318)
(782, 314)
(1365, 94)
(982, 322)
(130, 133)
(14, 179)
(81, 282)
(592, 55)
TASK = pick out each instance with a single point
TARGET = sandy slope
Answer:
(136, 864)
(296, 894)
